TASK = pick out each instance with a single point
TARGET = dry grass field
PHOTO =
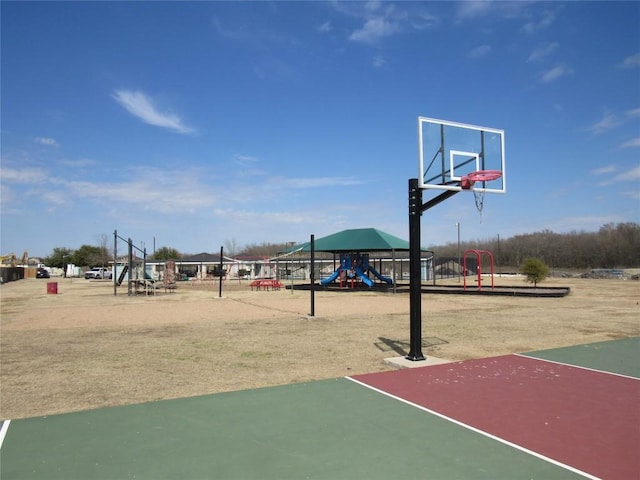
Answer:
(86, 348)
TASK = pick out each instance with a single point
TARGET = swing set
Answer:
(479, 255)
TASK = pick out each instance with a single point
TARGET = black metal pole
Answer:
(130, 261)
(220, 272)
(114, 271)
(415, 290)
(313, 276)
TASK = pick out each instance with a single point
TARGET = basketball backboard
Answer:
(449, 151)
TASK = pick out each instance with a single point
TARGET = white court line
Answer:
(3, 430)
(524, 355)
(481, 432)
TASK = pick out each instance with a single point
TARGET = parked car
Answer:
(42, 273)
(97, 273)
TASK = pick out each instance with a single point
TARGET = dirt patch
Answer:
(86, 348)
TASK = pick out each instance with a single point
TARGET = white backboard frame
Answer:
(494, 157)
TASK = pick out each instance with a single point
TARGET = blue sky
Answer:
(199, 124)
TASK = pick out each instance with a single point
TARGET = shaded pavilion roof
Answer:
(355, 240)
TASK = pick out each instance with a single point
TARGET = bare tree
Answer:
(265, 249)
(613, 246)
(231, 247)
(104, 252)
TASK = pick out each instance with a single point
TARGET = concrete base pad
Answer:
(402, 362)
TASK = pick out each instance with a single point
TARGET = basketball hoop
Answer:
(479, 176)
(484, 176)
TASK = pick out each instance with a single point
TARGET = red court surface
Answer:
(584, 419)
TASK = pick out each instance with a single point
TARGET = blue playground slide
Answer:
(330, 279)
(381, 277)
(363, 277)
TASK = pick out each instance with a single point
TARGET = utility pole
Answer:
(459, 260)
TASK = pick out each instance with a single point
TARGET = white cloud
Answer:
(632, 175)
(542, 52)
(254, 35)
(259, 216)
(232, 33)
(245, 160)
(148, 190)
(379, 61)
(47, 141)
(248, 166)
(28, 182)
(611, 120)
(479, 51)
(633, 143)
(140, 105)
(545, 21)
(23, 175)
(633, 113)
(379, 20)
(499, 10)
(9, 197)
(151, 190)
(603, 170)
(54, 197)
(325, 27)
(631, 62)
(424, 20)
(83, 162)
(474, 8)
(372, 5)
(322, 182)
(608, 121)
(634, 194)
(373, 30)
(555, 73)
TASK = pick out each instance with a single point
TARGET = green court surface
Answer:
(331, 429)
(617, 356)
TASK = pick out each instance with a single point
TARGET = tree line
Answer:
(612, 246)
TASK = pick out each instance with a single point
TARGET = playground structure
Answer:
(355, 267)
(353, 247)
(130, 268)
(134, 270)
(140, 278)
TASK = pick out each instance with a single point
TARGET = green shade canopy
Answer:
(355, 240)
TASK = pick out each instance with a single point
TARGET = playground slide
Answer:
(363, 277)
(381, 277)
(330, 279)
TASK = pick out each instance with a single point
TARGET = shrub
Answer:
(534, 270)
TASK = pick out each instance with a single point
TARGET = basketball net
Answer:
(479, 176)
(478, 195)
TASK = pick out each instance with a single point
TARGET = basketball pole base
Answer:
(415, 287)
(415, 358)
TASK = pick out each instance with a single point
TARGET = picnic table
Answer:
(266, 283)
(150, 287)
(142, 286)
